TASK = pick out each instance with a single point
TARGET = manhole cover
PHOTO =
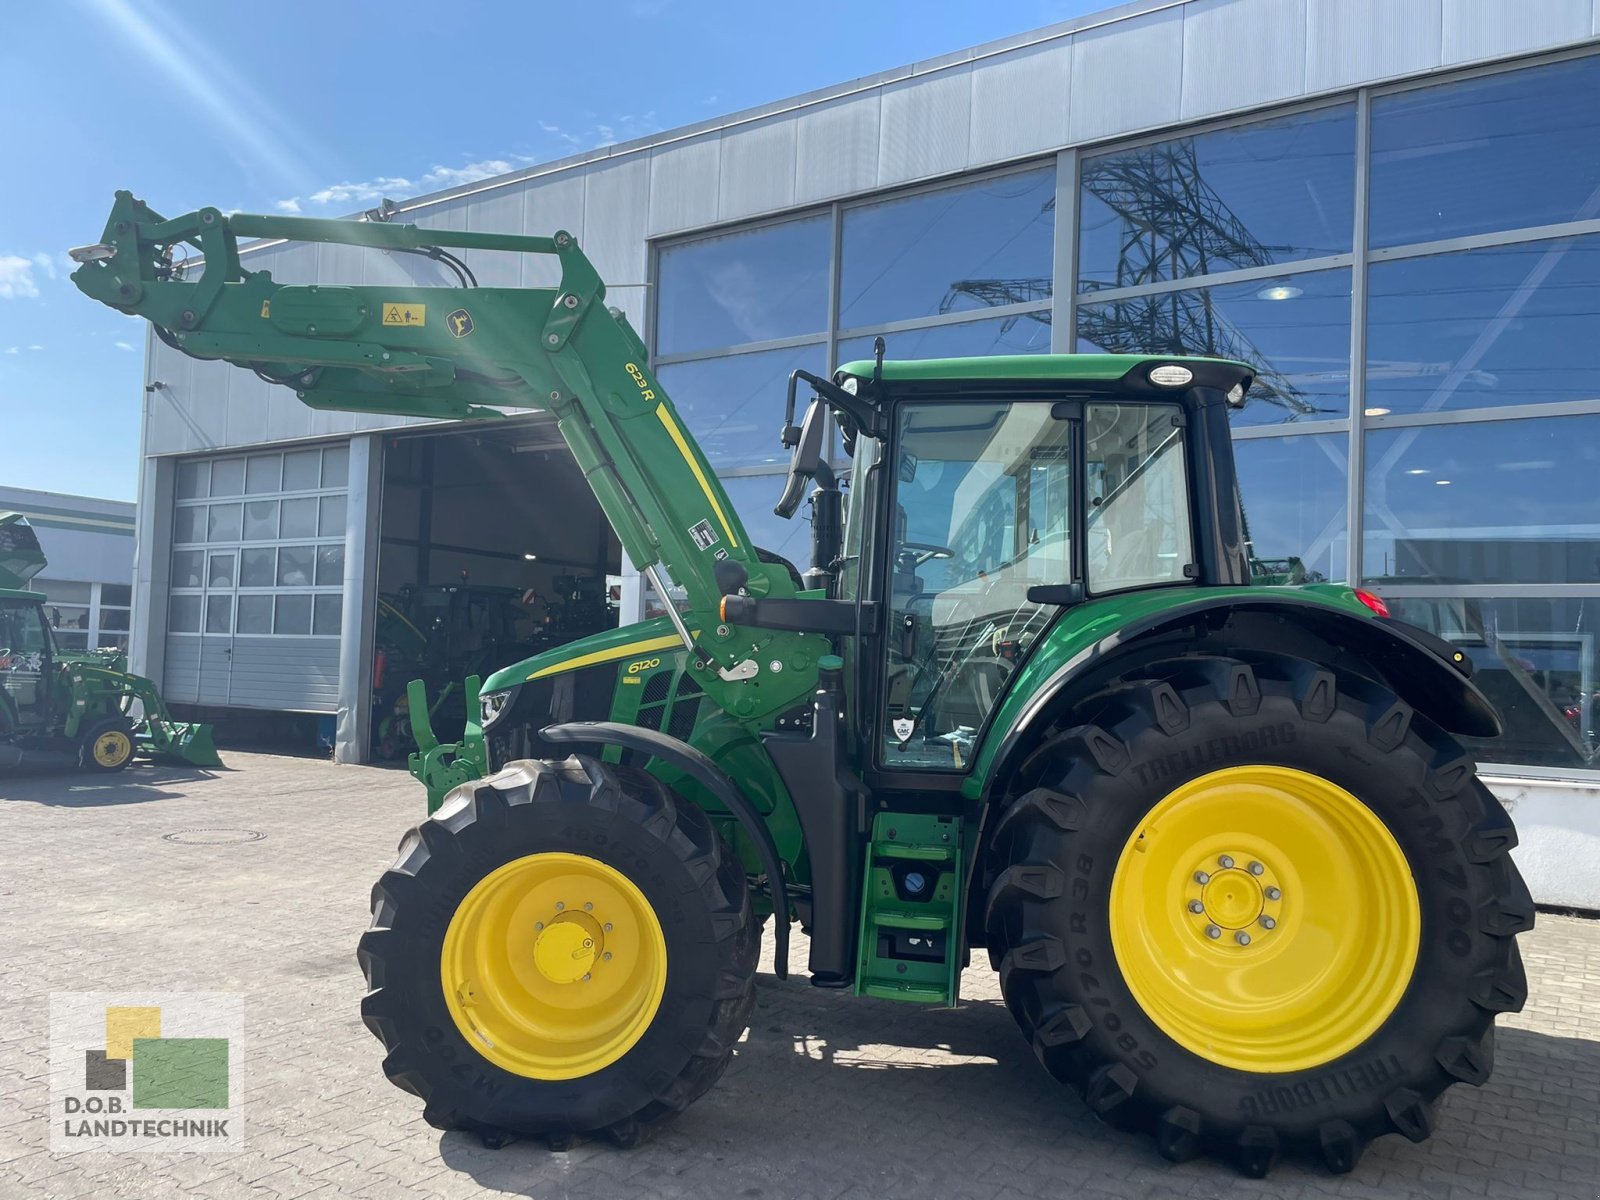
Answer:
(212, 837)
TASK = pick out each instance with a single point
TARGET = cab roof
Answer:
(1075, 368)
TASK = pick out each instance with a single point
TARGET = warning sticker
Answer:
(266, 310)
(702, 533)
(413, 315)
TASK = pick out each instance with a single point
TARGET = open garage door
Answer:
(492, 548)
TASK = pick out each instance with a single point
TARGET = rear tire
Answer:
(624, 824)
(107, 746)
(1072, 947)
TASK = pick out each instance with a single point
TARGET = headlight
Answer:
(495, 705)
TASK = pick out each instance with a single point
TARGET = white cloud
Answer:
(16, 278)
(123, 345)
(11, 349)
(291, 207)
(19, 275)
(36, 346)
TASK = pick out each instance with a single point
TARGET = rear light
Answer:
(1375, 603)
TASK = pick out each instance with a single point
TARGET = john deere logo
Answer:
(459, 323)
(145, 1076)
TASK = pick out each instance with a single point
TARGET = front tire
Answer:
(1256, 909)
(107, 746)
(562, 949)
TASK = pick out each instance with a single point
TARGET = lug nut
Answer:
(560, 904)
(1268, 923)
(1201, 877)
(606, 956)
(1242, 938)
(587, 977)
(1225, 861)
(538, 925)
(1213, 932)
(1196, 907)
(588, 908)
(1256, 868)
(1274, 894)
(607, 926)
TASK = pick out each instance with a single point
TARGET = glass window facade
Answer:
(1423, 419)
(1472, 301)
(738, 311)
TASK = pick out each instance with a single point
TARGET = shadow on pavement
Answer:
(953, 1103)
(57, 781)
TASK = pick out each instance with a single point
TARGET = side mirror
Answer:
(806, 461)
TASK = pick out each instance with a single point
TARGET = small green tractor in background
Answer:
(1239, 881)
(81, 704)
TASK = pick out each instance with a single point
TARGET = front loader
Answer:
(1238, 878)
(79, 704)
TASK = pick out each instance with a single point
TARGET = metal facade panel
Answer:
(1019, 102)
(499, 211)
(1476, 29)
(683, 184)
(925, 123)
(1218, 78)
(1355, 41)
(1127, 76)
(757, 173)
(616, 218)
(836, 147)
(548, 205)
(249, 400)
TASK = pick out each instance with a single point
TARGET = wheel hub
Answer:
(568, 947)
(1234, 899)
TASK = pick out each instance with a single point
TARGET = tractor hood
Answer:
(20, 556)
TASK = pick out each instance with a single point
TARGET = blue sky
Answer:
(322, 108)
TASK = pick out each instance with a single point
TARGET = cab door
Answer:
(26, 662)
(982, 510)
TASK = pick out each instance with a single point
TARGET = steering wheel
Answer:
(925, 552)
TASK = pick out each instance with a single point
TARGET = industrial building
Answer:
(1390, 207)
(88, 578)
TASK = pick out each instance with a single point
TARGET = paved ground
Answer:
(829, 1097)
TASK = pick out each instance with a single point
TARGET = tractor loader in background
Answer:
(79, 704)
(1239, 880)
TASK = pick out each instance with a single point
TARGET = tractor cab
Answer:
(27, 652)
(986, 496)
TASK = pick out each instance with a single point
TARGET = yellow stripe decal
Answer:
(688, 457)
(603, 656)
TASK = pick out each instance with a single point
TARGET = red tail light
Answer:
(1375, 603)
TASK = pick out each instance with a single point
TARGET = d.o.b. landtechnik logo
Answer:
(146, 1072)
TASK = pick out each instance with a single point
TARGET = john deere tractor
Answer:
(82, 704)
(1239, 881)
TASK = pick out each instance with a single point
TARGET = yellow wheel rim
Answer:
(1265, 918)
(554, 965)
(111, 748)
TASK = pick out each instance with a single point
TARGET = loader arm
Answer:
(470, 353)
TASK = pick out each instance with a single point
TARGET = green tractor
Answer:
(1239, 881)
(81, 704)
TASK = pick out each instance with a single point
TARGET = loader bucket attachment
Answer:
(183, 742)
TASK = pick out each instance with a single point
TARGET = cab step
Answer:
(910, 944)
